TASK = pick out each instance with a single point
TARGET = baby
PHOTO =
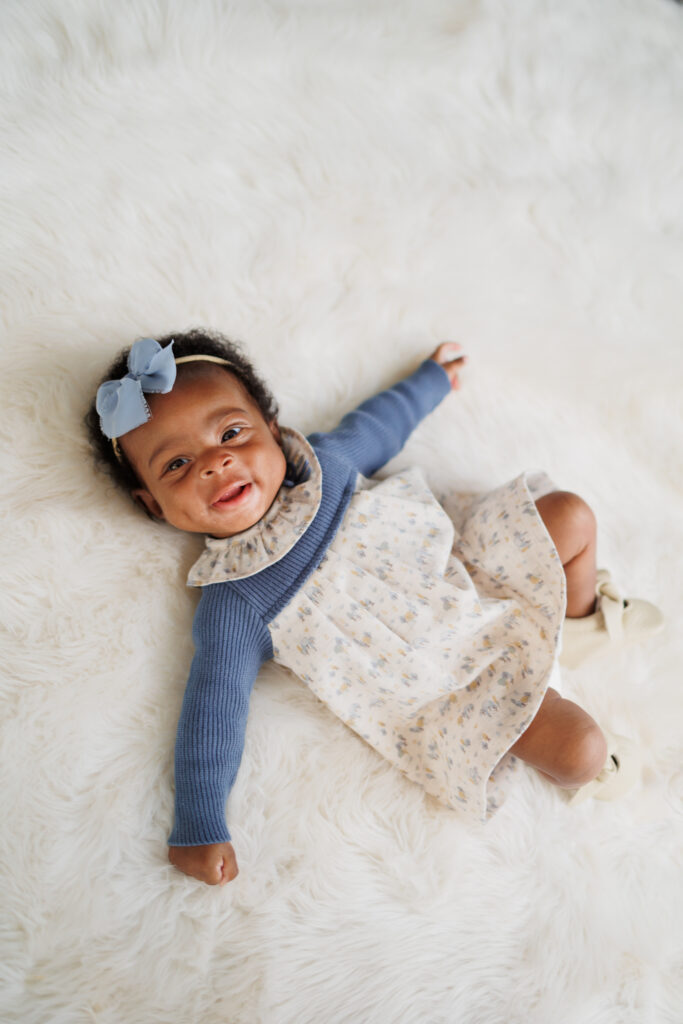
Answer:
(435, 639)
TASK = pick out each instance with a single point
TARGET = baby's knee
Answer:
(581, 757)
(570, 521)
(576, 510)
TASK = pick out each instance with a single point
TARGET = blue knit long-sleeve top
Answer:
(230, 629)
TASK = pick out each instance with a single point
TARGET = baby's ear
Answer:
(275, 431)
(151, 506)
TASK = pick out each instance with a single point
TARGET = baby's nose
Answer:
(214, 461)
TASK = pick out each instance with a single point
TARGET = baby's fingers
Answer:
(210, 874)
(452, 359)
(447, 352)
(229, 869)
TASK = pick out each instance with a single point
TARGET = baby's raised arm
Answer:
(376, 430)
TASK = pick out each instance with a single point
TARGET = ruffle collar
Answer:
(268, 540)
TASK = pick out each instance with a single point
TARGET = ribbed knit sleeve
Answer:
(377, 430)
(231, 643)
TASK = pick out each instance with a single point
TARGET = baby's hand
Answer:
(446, 356)
(214, 864)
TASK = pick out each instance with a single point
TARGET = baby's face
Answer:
(208, 460)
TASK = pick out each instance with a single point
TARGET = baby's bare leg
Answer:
(572, 526)
(563, 743)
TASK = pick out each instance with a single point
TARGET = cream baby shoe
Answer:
(615, 621)
(621, 772)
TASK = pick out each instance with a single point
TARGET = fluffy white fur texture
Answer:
(340, 185)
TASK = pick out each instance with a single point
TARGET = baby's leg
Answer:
(563, 743)
(572, 526)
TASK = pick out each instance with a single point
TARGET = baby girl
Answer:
(434, 637)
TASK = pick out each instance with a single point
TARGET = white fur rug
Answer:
(341, 185)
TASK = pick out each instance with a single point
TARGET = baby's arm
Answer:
(377, 429)
(231, 644)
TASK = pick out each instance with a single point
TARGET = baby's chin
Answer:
(237, 513)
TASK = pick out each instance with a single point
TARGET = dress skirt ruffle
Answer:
(434, 636)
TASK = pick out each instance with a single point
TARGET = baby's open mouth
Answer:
(233, 495)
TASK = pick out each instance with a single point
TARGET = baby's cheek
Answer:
(277, 471)
(182, 509)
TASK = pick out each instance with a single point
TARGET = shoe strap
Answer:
(609, 769)
(611, 604)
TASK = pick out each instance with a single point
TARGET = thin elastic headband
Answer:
(204, 359)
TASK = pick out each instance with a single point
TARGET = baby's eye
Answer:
(230, 433)
(176, 464)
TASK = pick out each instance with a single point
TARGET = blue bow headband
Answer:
(121, 403)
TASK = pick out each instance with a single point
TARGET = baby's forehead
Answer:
(199, 370)
(196, 392)
(210, 378)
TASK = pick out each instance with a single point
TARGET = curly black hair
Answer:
(198, 341)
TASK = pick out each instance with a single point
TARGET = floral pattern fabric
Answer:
(435, 644)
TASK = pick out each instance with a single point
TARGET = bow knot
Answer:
(121, 403)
